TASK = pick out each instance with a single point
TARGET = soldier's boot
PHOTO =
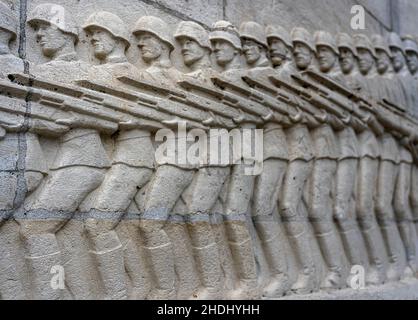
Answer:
(109, 256)
(279, 283)
(44, 256)
(332, 253)
(394, 247)
(377, 271)
(244, 259)
(307, 279)
(409, 237)
(161, 259)
(354, 247)
(208, 263)
(137, 271)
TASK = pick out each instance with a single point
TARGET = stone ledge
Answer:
(406, 289)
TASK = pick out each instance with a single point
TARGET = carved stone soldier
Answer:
(170, 178)
(346, 175)
(204, 190)
(227, 48)
(324, 168)
(402, 203)
(35, 167)
(10, 283)
(280, 48)
(275, 156)
(133, 158)
(9, 141)
(369, 152)
(411, 49)
(80, 162)
(390, 86)
(299, 168)
(401, 70)
(411, 53)
(388, 167)
(327, 55)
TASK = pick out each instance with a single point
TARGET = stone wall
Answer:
(121, 262)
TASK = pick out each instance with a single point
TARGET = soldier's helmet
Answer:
(253, 31)
(195, 31)
(155, 26)
(109, 22)
(224, 30)
(361, 41)
(8, 20)
(324, 38)
(280, 33)
(410, 44)
(55, 15)
(302, 35)
(345, 41)
(395, 41)
(380, 43)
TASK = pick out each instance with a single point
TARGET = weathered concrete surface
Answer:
(334, 16)
(405, 16)
(404, 290)
(72, 240)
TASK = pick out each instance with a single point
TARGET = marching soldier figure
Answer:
(346, 175)
(208, 181)
(390, 88)
(324, 168)
(171, 178)
(275, 156)
(280, 48)
(226, 45)
(411, 49)
(388, 167)
(402, 202)
(132, 163)
(369, 152)
(298, 171)
(10, 284)
(401, 70)
(8, 140)
(80, 163)
(411, 54)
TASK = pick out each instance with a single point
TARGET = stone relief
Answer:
(85, 186)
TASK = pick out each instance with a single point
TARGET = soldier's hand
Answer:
(47, 127)
(268, 116)
(298, 117)
(129, 125)
(173, 123)
(71, 122)
(11, 127)
(322, 116)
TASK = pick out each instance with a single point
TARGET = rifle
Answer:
(377, 108)
(339, 101)
(254, 95)
(13, 119)
(181, 96)
(156, 110)
(56, 106)
(180, 102)
(291, 96)
(308, 102)
(213, 95)
(335, 86)
(121, 105)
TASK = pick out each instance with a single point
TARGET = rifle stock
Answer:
(211, 96)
